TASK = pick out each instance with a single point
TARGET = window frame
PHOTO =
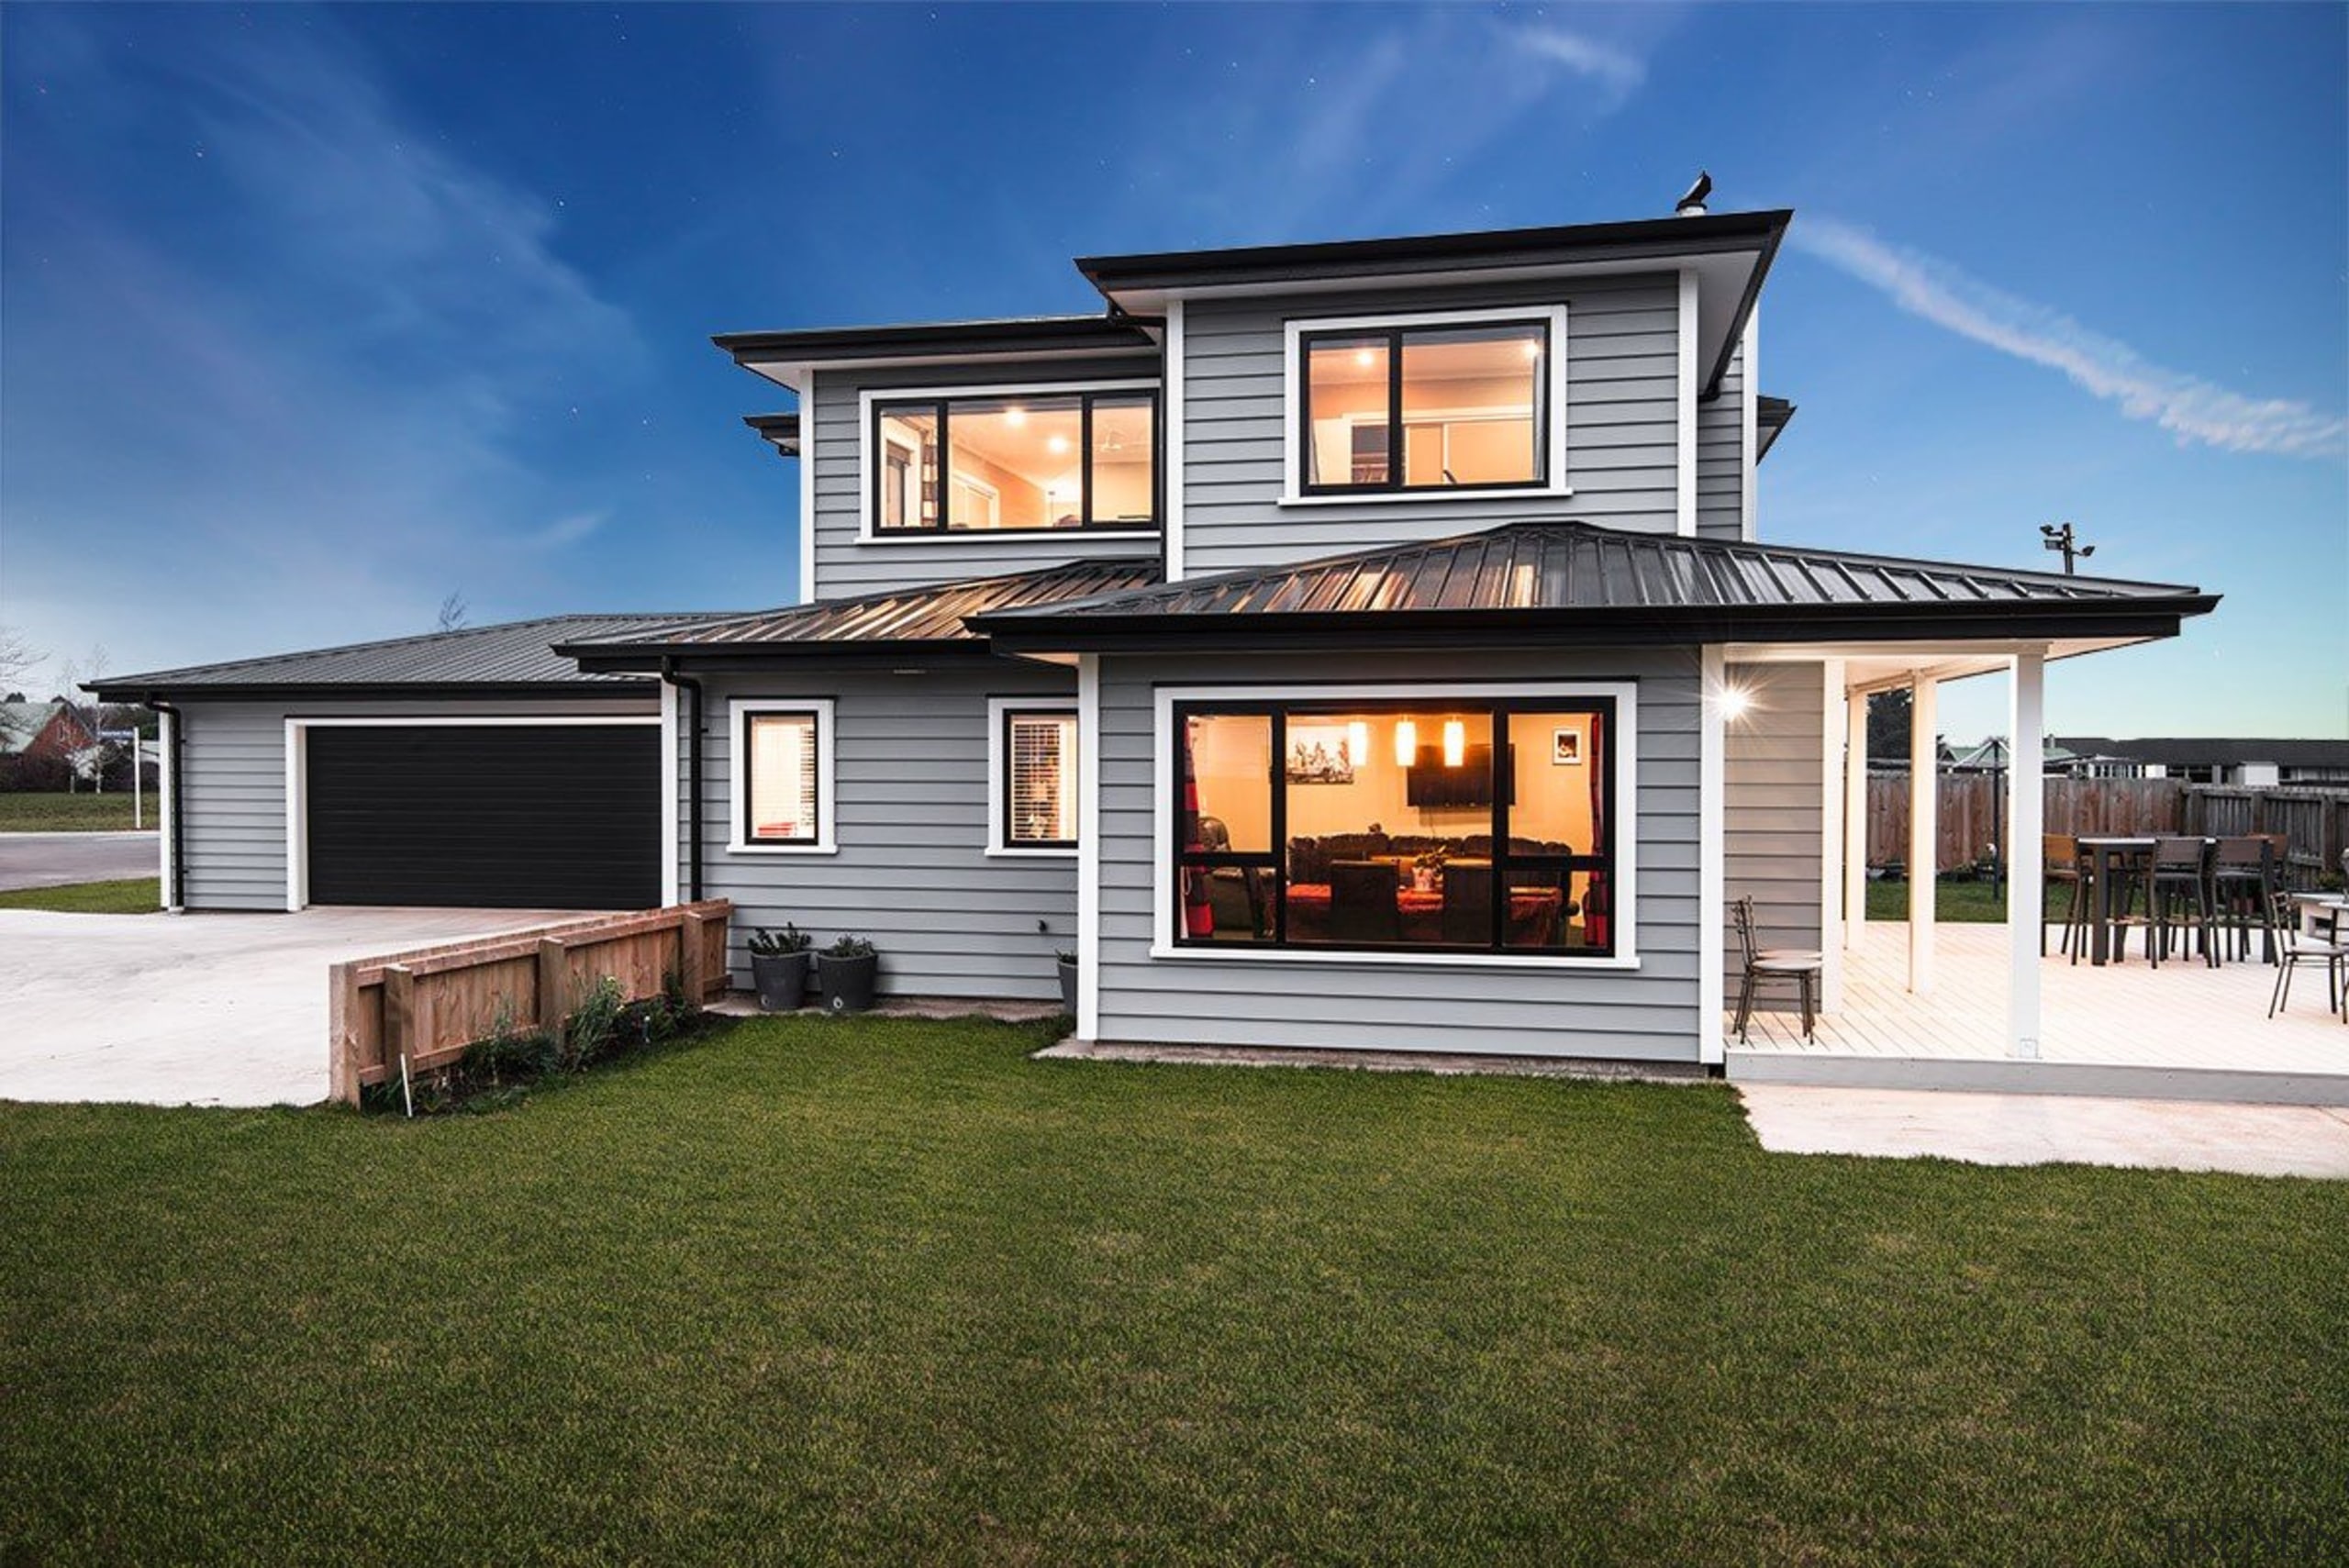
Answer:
(1617, 701)
(1001, 712)
(874, 402)
(1295, 438)
(739, 712)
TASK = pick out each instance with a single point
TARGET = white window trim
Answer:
(297, 768)
(1624, 881)
(1293, 402)
(867, 533)
(997, 708)
(737, 775)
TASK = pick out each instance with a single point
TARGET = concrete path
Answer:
(52, 859)
(193, 1010)
(2037, 1129)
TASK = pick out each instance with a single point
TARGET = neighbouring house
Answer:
(1365, 644)
(53, 728)
(2255, 764)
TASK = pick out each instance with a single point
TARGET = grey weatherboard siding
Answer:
(845, 565)
(233, 790)
(1721, 458)
(1774, 785)
(1623, 421)
(1388, 1004)
(911, 823)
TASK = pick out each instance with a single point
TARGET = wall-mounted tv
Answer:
(1431, 786)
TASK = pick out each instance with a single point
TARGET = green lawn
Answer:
(31, 811)
(887, 1291)
(1968, 901)
(133, 896)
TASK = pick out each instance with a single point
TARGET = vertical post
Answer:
(399, 1014)
(1088, 846)
(669, 834)
(167, 805)
(2026, 795)
(1833, 798)
(1855, 816)
(1712, 781)
(342, 1065)
(693, 951)
(1924, 828)
(554, 964)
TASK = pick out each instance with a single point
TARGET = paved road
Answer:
(51, 860)
(204, 1009)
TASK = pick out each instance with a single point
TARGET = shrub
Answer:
(850, 947)
(588, 1033)
(764, 943)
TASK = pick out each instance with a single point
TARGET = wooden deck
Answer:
(2181, 1031)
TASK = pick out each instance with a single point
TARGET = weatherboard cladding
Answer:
(1773, 785)
(1623, 421)
(1720, 458)
(832, 438)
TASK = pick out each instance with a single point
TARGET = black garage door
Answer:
(517, 817)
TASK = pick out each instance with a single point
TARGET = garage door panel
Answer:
(485, 815)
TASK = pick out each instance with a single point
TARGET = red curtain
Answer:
(1597, 913)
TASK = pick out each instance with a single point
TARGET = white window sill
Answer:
(1004, 853)
(783, 849)
(1339, 960)
(1388, 497)
(1002, 536)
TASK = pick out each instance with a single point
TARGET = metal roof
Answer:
(932, 616)
(2200, 752)
(510, 656)
(1572, 581)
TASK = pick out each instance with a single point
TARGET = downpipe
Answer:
(691, 686)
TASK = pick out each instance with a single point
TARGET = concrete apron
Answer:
(2038, 1129)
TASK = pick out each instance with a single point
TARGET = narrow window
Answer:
(1434, 409)
(1040, 781)
(1030, 463)
(780, 795)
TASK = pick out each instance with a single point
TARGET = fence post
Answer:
(693, 955)
(555, 967)
(343, 1071)
(399, 1013)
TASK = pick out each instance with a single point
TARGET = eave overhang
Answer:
(137, 690)
(786, 357)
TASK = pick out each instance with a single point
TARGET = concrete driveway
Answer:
(52, 859)
(193, 1010)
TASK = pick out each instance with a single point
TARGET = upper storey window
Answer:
(1459, 401)
(1009, 462)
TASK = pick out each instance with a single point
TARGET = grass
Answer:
(43, 811)
(1961, 901)
(887, 1291)
(133, 896)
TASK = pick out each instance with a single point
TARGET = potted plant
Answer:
(848, 970)
(1426, 869)
(779, 966)
(1068, 981)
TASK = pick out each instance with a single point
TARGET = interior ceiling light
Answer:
(1056, 443)
(1455, 742)
(1532, 349)
(1364, 357)
(1407, 742)
(1014, 417)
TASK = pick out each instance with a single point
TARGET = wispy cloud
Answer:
(1615, 70)
(2191, 409)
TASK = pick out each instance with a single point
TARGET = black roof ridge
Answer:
(450, 635)
(1105, 321)
(881, 595)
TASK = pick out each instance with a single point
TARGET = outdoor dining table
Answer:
(2105, 858)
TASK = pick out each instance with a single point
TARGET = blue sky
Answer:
(312, 317)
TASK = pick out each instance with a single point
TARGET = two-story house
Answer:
(1350, 645)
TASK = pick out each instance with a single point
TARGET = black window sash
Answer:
(1394, 339)
(1011, 839)
(1600, 861)
(751, 776)
(942, 409)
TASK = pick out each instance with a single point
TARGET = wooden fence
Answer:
(427, 1004)
(1972, 816)
(1972, 813)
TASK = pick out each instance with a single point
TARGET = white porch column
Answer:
(1924, 828)
(1833, 802)
(671, 838)
(2026, 795)
(1088, 846)
(1855, 816)
(1712, 852)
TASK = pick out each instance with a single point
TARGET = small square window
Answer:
(782, 775)
(1036, 779)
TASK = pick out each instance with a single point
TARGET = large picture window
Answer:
(1439, 406)
(1470, 826)
(781, 778)
(1015, 463)
(1036, 778)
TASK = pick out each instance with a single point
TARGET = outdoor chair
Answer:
(1765, 966)
(1235, 894)
(2243, 886)
(2059, 855)
(2179, 898)
(2299, 947)
(1363, 907)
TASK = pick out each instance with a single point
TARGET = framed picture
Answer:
(1565, 748)
(1319, 755)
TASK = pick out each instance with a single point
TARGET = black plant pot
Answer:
(1068, 987)
(782, 979)
(848, 982)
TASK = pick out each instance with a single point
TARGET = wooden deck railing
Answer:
(429, 1004)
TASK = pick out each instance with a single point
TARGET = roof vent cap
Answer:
(1693, 204)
